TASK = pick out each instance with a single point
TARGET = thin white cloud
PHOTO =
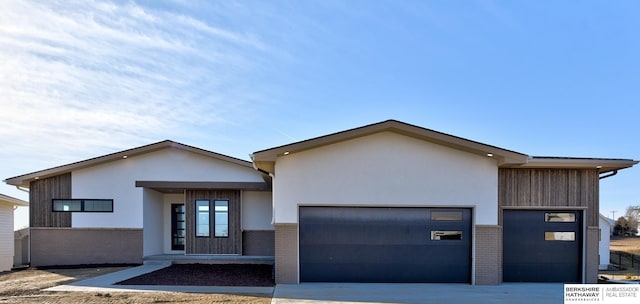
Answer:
(95, 76)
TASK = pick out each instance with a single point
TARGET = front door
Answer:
(177, 226)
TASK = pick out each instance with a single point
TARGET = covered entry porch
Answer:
(206, 218)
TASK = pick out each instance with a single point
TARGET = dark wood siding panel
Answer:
(211, 244)
(550, 188)
(41, 192)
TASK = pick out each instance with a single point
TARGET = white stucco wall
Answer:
(116, 180)
(153, 203)
(256, 210)
(6, 237)
(605, 240)
(386, 169)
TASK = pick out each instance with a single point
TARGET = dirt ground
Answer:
(26, 287)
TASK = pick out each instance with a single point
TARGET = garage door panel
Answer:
(537, 250)
(376, 273)
(340, 244)
(381, 254)
(562, 272)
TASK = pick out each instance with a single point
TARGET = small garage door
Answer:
(390, 245)
(542, 246)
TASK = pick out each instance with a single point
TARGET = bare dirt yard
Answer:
(26, 287)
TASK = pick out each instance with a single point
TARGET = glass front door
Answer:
(177, 226)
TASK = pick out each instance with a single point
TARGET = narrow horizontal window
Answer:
(446, 215)
(440, 235)
(560, 217)
(221, 224)
(82, 205)
(559, 236)
(202, 218)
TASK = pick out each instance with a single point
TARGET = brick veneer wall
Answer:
(286, 239)
(488, 255)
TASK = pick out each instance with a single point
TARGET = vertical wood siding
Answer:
(211, 244)
(41, 192)
(550, 188)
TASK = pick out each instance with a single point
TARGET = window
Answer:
(440, 235)
(560, 217)
(202, 218)
(221, 228)
(82, 205)
(446, 215)
(559, 236)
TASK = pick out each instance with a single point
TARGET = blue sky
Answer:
(546, 78)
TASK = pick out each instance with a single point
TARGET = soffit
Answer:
(603, 165)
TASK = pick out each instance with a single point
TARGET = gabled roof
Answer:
(8, 200)
(266, 158)
(23, 180)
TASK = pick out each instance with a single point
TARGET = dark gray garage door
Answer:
(402, 245)
(542, 246)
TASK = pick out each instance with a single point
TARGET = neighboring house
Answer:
(387, 202)
(21, 247)
(7, 206)
(605, 241)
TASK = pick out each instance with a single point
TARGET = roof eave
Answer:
(23, 180)
(12, 201)
(603, 165)
(264, 158)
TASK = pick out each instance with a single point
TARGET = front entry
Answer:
(177, 226)
(542, 246)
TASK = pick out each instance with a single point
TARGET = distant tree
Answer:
(621, 227)
(633, 217)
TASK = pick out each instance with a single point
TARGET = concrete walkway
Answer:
(524, 293)
(107, 283)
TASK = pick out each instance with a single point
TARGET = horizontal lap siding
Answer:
(550, 188)
(211, 244)
(41, 192)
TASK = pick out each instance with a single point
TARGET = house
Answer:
(386, 202)
(605, 239)
(7, 205)
(121, 207)
(21, 247)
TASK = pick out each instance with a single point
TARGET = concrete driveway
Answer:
(514, 293)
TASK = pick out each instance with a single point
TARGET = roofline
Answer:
(603, 165)
(12, 200)
(23, 180)
(504, 156)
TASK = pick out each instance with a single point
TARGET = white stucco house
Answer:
(7, 206)
(385, 202)
(605, 238)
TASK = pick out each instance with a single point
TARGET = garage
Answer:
(385, 245)
(542, 246)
